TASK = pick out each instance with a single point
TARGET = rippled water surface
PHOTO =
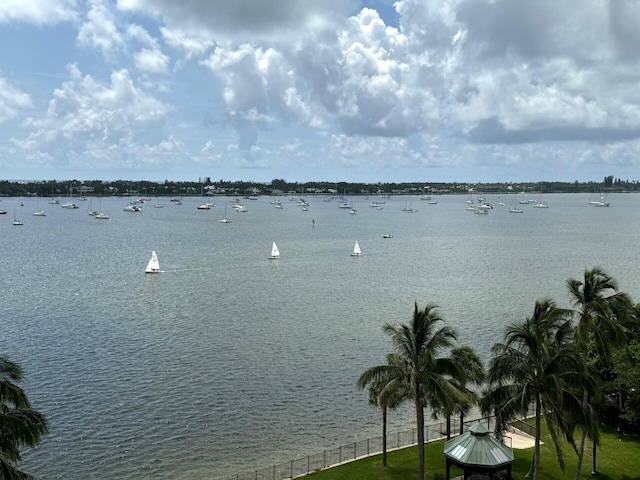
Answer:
(227, 361)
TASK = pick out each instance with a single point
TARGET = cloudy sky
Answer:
(346, 90)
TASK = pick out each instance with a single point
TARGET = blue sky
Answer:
(346, 90)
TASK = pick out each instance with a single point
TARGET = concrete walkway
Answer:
(520, 439)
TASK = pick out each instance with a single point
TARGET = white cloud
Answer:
(39, 12)
(84, 108)
(151, 60)
(302, 111)
(376, 152)
(520, 72)
(245, 88)
(294, 83)
(137, 32)
(99, 29)
(191, 46)
(12, 101)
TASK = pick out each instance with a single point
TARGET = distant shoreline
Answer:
(279, 187)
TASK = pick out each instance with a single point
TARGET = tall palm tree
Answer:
(416, 367)
(537, 365)
(599, 307)
(385, 398)
(470, 370)
(473, 372)
(20, 425)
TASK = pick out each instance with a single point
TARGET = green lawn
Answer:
(617, 460)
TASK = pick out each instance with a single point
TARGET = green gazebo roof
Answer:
(477, 448)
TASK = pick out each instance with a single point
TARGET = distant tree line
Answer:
(279, 186)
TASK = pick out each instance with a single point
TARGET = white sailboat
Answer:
(70, 204)
(356, 250)
(15, 221)
(154, 265)
(225, 219)
(275, 252)
(53, 200)
(100, 215)
(514, 208)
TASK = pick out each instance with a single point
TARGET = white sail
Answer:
(154, 265)
(275, 253)
(356, 250)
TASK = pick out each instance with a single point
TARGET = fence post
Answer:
(291, 468)
(368, 447)
(308, 464)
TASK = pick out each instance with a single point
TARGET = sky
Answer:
(324, 90)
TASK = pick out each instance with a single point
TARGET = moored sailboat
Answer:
(16, 221)
(225, 219)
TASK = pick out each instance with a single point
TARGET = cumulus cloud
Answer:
(12, 100)
(360, 78)
(39, 12)
(112, 124)
(452, 82)
(115, 39)
(191, 45)
(258, 84)
(82, 106)
(151, 60)
(546, 71)
(99, 30)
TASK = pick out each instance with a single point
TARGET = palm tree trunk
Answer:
(536, 454)
(583, 438)
(531, 465)
(420, 425)
(384, 436)
(580, 455)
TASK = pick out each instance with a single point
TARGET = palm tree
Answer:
(20, 425)
(385, 398)
(473, 372)
(416, 369)
(598, 309)
(537, 365)
(470, 370)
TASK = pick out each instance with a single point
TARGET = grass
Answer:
(616, 460)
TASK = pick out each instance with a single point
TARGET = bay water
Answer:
(229, 362)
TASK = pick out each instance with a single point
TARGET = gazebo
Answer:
(479, 454)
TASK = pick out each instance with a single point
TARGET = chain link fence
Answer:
(353, 451)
